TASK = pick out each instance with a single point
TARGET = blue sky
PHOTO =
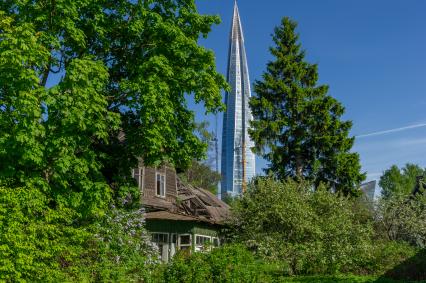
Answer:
(372, 54)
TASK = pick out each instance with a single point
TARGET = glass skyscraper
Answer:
(238, 161)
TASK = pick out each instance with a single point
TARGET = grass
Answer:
(340, 278)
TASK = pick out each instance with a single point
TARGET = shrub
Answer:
(402, 218)
(387, 255)
(311, 232)
(38, 243)
(233, 263)
(35, 241)
(413, 268)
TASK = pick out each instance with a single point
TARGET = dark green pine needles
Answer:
(297, 127)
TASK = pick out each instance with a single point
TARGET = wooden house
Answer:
(179, 216)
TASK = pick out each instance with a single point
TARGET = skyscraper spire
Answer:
(238, 161)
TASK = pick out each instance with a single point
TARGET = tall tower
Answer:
(238, 161)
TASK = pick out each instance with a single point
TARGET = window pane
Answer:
(160, 238)
(160, 185)
(202, 240)
(185, 239)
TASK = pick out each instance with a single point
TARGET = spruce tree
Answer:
(297, 126)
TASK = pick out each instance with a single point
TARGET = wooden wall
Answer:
(149, 184)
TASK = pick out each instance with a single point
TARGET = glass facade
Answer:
(237, 158)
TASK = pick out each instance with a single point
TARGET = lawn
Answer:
(343, 278)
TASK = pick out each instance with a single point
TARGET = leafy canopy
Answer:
(396, 181)
(75, 76)
(310, 232)
(297, 127)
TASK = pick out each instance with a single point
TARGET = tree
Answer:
(308, 231)
(201, 175)
(402, 218)
(144, 58)
(200, 172)
(73, 76)
(297, 127)
(396, 181)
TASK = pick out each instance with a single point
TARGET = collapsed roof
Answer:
(192, 204)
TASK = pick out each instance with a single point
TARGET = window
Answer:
(160, 184)
(202, 242)
(162, 241)
(160, 237)
(185, 242)
(137, 175)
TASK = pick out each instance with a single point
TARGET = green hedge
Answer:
(234, 263)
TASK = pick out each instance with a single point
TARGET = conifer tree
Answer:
(297, 126)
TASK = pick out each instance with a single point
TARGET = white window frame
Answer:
(201, 247)
(180, 245)
(162, 192)
(163, 246)
(160, 233)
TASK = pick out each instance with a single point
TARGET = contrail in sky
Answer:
(392, 130)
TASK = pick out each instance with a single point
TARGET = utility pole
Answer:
(216, 147)
(216, 144)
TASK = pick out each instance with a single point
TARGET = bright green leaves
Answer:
(310, 232)
(400, 181)
(20, 99)
(77, 119)
(30, 240)
(125, 66)
(86, 88)
(297, 126)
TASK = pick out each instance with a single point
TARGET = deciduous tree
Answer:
(73, 76)
(396, 181)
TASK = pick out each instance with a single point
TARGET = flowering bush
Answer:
(119, 250)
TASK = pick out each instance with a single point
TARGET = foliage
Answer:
(151, 54)
(38, 243)
(35, 240)
(297, 127)
(200, 172)
(202, 176)
(402, 218)
(387, 255)
(225, 264)
(414, 268)
(119, 250)
(312, 232)
(64, 160)
(340, 278)
(400, 181)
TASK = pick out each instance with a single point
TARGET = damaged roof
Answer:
(191, 204)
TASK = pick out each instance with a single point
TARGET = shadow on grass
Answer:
(413, 269)
(339, 279)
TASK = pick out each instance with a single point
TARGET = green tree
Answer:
(74, 75)
(402, 218)
(297, 127)
(308, 232)
(200, 172)
(396, 181)
(144, 58)
(201, 175)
